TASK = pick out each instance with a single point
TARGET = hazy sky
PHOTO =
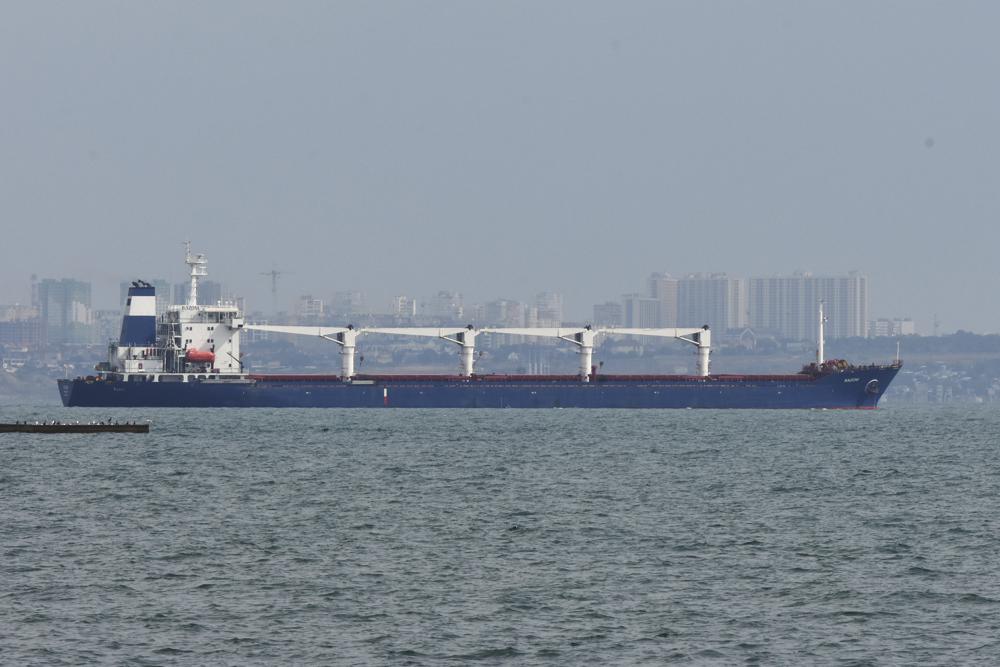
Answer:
(501, 148)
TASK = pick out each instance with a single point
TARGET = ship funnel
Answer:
(139, 323)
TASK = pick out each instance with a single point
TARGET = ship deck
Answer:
(512, 378)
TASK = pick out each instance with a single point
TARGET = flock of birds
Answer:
(107, 422)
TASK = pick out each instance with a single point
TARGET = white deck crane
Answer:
(463, 336)
(583, 337)
(700, 337)
(345, 337)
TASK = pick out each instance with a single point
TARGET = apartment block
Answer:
(789, 305)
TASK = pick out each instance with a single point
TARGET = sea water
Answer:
(427, 537)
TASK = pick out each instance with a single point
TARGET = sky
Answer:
(500, 149)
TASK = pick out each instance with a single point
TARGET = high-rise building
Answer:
(713, 299)
(20, 326)
(504, 313)
(640, 311)
(608, 314)
(447, 307)
(346, 303)
(789, 305)
(209, 293)
(550, 309)
(403, 306)
(16, 312)
(107, 325)
(531, 316)
(310, 310)
(64, 310)
(696, 299)
(26, 333)
(663, 288)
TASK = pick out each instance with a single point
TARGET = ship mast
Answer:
(819, 338)
(199, 269)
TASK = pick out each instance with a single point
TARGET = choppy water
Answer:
(526, 537)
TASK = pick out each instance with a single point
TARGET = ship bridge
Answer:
(188, 339)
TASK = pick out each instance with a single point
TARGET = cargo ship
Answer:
(190, 357)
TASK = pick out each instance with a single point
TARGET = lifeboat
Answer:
(199, 356)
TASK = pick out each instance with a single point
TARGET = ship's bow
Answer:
(66, 391)
(873, 381)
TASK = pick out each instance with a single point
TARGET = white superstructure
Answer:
(188, 342)
(192, 333)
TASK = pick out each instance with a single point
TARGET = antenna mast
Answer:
(199, 269)
(819, 338)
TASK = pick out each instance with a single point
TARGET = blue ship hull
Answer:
(854, 388)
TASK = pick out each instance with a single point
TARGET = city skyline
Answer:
(782, 305)
(381, 301)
